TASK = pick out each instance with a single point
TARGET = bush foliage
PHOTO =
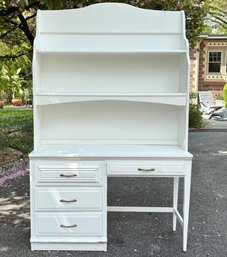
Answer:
(195, 117)
(225, 95)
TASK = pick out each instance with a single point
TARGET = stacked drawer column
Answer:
(68, 203)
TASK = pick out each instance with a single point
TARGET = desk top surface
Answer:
(110, 151)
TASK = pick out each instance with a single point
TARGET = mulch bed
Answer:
(12, 166)
(9, 155)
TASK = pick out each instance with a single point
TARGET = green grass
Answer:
(16, 130)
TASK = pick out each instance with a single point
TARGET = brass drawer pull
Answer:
(68, 226)
(141, 169)
(68, 201)
(68, 176)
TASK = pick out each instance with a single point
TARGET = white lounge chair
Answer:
(207, 103)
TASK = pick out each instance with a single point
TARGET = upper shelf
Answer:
(179, 99)
(110, 43)
(111, 52)
(111, 28)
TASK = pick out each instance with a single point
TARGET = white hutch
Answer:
(110, 99)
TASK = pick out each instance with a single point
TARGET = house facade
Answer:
(209, 64)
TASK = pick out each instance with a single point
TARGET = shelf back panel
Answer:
(109, 17)
(107, 43)
(109, 74)
(109, 121)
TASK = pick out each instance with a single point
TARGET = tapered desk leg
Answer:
(187, 186)
(175, 200)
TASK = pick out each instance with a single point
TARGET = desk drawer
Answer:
(147, 168)
(69, 172)
(69, 199)
(69, 224)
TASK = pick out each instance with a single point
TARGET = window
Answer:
(214, 62)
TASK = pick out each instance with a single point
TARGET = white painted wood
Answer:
(108, 142)
(179, 217)
(187, 187)
(175, 200)
(110, 73)
(69, 199)
(89, 240)
(91, 200)
(117, 151)
(87, 121)
(182, 140)
(61, 246)
(146, 168)
(37, 113)
(111, 94)
(109, 43)
(69, 224)
(119, 18)
(69, 172)
(172, 99)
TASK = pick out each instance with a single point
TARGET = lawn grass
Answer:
(16, 131)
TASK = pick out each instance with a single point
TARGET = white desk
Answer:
(111, 95)
(70, 189)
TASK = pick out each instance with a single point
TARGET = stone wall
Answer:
(194, 70)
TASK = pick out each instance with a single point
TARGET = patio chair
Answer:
(219, 115)
(27, 98)
(207, 103)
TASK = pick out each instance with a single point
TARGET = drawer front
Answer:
(69, 172)
(147, 168)
(65, 224)
(71, 199)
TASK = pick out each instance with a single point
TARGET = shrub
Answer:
(193, 94)
(225, 95)
(219, 97)
(195, 117)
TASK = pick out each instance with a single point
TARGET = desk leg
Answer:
(175, 200)
(187, 186)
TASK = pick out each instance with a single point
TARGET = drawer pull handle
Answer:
(68, 176)
(68, 226)
(141, 169)
(68, 201)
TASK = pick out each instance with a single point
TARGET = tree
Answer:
(216, 21)
(15, 73)
(14, 85)
(17, 23)
(17, 17)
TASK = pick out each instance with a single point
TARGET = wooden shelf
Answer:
(109, 52)
(179, 99)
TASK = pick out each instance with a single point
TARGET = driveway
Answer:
(141, 234)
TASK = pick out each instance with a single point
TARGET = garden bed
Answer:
(16, 141)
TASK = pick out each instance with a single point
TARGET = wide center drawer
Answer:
(69, 199)
(69, 172)
(69, 224)
(147, 168)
